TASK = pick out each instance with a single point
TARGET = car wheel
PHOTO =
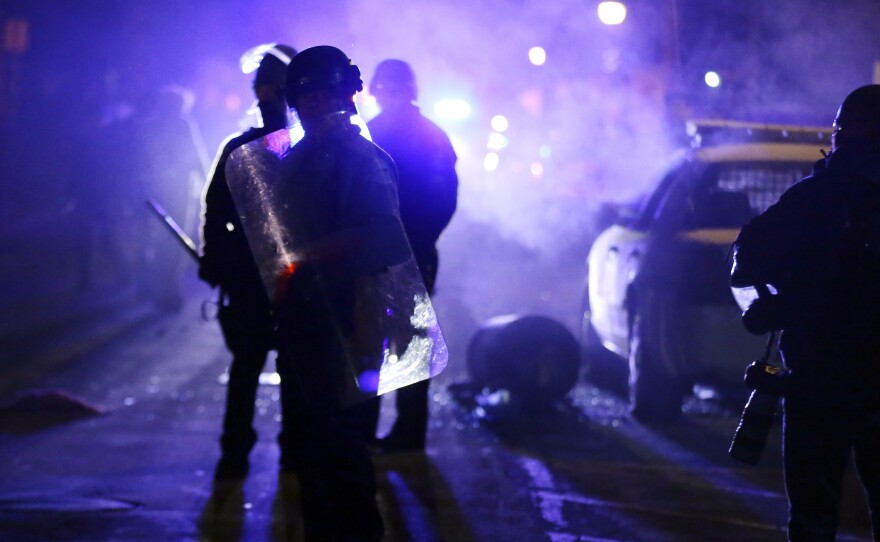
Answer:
(654, 394)
(602, 368)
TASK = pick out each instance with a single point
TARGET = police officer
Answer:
(226, 261)
(428, 187)
(819, 248)
(340, 207)
(165, 166)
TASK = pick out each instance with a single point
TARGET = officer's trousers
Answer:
(330, 453)
(815, 455)
(248, 330)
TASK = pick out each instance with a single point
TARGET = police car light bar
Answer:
(707, 132)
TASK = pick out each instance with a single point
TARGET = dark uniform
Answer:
(338, 205)
(245, 313)
(428, 184)
(428, 188)
(819, 246)
(342, 184)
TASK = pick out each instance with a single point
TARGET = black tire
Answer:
(654, 394)
(534, 357)
(602, 367)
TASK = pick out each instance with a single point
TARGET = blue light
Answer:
(452, 109)
(368, 381)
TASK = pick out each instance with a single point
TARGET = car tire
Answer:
(654, 394)
(602, 367)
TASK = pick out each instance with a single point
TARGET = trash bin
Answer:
(535, 358)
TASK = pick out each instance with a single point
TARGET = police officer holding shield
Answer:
(341, 210)
(428, 187)
(818, 247)
(244, 311)
(352, 316)
(321, 218)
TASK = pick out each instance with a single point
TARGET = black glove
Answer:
(765, 314)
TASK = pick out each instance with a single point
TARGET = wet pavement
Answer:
(120, 445)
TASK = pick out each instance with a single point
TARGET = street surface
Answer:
(128, 454)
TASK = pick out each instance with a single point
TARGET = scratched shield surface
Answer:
(397, 340)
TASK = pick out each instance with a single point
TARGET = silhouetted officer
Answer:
(166, 165)
(819, 247)
(340, 211)
(244, 312)
(428, 187)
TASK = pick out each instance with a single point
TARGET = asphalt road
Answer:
(127, 455)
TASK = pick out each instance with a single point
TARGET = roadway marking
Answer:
(551, 509)
(550, 503)
(580, 499)
(575, 498)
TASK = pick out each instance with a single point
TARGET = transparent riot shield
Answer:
(388, 331)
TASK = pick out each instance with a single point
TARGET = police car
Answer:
(657, 299)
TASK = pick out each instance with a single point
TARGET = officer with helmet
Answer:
(428, 187)
(226, 262)
(340, 209)
(818, 247)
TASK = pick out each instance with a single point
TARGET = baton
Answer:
(178, 233)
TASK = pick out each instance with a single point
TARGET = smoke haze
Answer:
(594, 126)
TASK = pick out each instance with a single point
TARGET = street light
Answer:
(537, 56)
(612, 13)
(712, 79)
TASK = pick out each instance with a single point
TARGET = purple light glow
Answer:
(612, 13)
(500, 123)
(611, 119)
(368, 381)
(278, 142)
(537, 56)
(452, 109)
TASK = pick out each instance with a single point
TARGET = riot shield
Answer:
(372, 295)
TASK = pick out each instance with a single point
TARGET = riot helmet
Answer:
(323, 68)
(394, 78)
(273, 66)
(269, 61)
(858, 119)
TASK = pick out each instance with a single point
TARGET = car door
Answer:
(614, 262)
